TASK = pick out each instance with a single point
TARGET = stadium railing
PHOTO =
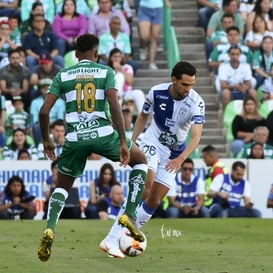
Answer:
(170, 40)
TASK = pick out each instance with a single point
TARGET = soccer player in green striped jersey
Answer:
(88, 88)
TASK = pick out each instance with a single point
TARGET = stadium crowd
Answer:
(239, 51)
(37, 39)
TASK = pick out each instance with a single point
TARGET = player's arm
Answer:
(118, 121)
(140, 125)
(195, 136)
(50, 100)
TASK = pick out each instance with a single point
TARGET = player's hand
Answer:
(173, 165)
(124, 155)
(49, 150)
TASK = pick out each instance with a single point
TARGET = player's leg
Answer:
(55, 207)
(67, 171)
(147, 209)
(137, 180)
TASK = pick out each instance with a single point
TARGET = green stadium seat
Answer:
(266, 108)
(70, 59)
(232, 109)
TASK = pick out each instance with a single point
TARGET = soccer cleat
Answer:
(44, 250)
(125, 222)
(111, 248)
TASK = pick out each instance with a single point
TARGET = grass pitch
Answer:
(183, 245)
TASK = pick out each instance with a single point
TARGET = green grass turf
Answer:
(190, 246)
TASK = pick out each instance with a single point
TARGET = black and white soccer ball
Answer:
(131, 247)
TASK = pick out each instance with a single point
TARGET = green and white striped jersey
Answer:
(83, 88)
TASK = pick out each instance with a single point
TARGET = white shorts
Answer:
(157, 156)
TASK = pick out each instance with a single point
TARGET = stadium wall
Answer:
(258, 173)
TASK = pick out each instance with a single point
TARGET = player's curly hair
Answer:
(183, 68)
(87, 42)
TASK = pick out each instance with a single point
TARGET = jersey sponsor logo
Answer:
(88, 136)
(163, 106)
(169, 122)
(182, 112)
(85, 124)
(83, 72)
(162, 97)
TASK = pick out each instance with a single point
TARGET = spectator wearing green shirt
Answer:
(260, 135)
(230, 7)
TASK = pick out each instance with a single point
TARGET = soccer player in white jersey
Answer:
(87, 88)
(177, 109)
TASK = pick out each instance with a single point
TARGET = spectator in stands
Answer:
(256, 151)
(98, 23)
(262, 60)
(229, 7)
(48, 7)
(114, 38)
(14, 78)
(57, 112)
(40, 41)
(216, 167)
(121, 5)
(26, 25)
(263, 8)
(68, 25)
(99, 189)
(208, 7)
(3, 115)
(128, 121)
(269, 125)
(228, 190)
(150, 19)
(19, 140)
(15, 35)
(219, 36)
(235, 78)
(244, 124)
(16, 200)
(267, 86)
(259, 30)
(269, 203)
(245, 8)
(6, 44)
(186, 200)
(10, 7)
(46, 69)
(109, 207)
(19, 118)
(48, 185)
(260, 135)
(57, 135)
(82, 7)
(220, 52)
(125, 79)
(22, 54)
(23, 154)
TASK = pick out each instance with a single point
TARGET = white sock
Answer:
(144, 214)
(116, 229)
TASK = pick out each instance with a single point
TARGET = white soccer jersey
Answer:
(234, 75)
(172, 119)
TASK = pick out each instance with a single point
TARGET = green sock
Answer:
(55, 207)
(136, 186)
